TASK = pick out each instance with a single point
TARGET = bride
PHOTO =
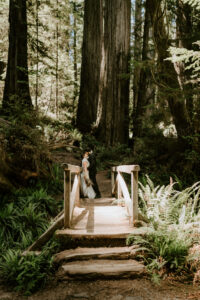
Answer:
(86, 183)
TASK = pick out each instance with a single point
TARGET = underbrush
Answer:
(24, 216)
(173, 218)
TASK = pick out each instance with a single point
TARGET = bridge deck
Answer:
(100, 218)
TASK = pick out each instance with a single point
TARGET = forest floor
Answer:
(122, 289)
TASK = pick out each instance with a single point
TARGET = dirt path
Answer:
(127, 289)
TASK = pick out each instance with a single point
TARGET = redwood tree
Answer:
(16, 91)
(168, 79)
(104, 93)
(113, 108)
(91, 61)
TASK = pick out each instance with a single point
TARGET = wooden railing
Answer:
(119, 187)
(71, 192)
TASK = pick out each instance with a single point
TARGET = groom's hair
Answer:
(91, 147)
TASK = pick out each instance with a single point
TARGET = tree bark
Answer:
(137, 55)
(91, 62)
(168, 80)
(75, 58)
(144, 77)
(113, 107)
(185, 40)
(57, 60)
(16, 91)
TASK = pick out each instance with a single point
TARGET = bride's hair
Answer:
(86, 150)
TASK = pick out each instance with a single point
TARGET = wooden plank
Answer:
(73, 168)
(126, 168)
(134, 196)
(45, 237)
(73, 195)
(67, 193)
(112, 182)
(94, 253)
(92, 235)
(124, 188)
(126, 195)
(77, 201)
(119, 190)
(102, 268)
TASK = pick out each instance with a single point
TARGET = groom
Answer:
(92, 172)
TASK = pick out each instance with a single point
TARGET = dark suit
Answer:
(92, 173)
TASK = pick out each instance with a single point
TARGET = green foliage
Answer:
(172, 217)
(107, 155)
(21, 222)
(25, 273)
(163, 205)
(163, 251)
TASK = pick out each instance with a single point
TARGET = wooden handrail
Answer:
(71, 192)
(122, 189)
(126, 168)
(72, 168)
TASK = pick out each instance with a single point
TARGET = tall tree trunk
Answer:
(142, 96)
(16, 91)
(113, 108)
(75, 58)
(137, 55)
(91, 62)
(168, 80)
(57, 54)
(37, 55)
(185, 40)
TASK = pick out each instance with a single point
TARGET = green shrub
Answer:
(163, 205)
(163, 251)
(25, 273)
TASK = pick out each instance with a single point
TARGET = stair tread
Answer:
(102, 268)
(91, 253)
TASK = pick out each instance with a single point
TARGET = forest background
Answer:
(120, 75)
(139, 85)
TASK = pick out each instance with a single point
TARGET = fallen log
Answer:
(45, 237)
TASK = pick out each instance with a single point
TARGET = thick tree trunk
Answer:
(37, 55)
(91, 62)
(137, 55)
(57, 61)
(142, 97)
(16, 91)
(185, 40)
(168, 80)
(75, 58)
(113, 108)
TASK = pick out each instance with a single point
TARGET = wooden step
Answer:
(95, 253)
(92, 269)
(72, 238)
(98, 201)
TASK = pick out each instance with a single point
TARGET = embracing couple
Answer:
(89, 186)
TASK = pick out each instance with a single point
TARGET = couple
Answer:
(89, 186)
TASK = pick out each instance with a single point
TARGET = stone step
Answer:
(92, 269)
(95, 253)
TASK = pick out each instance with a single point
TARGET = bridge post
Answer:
(134, 195)
(112, 182)
(119, 190)
(67, 193)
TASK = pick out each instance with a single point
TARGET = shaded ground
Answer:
(127, 289)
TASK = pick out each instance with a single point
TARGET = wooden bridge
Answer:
(104, 217)
(93, 232)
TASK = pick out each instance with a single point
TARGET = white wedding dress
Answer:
(87, 191)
